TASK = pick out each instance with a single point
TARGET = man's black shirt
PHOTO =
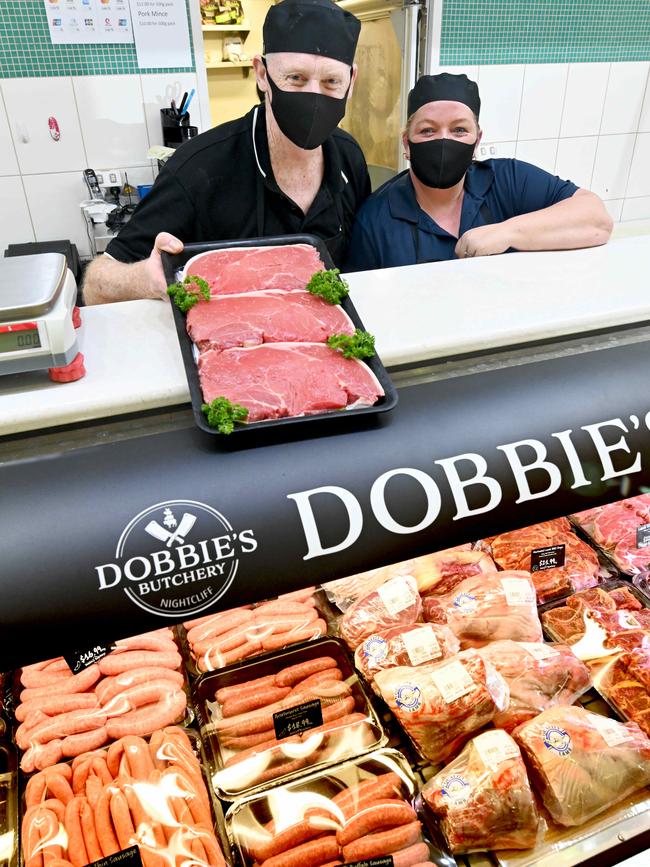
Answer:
(220, 186)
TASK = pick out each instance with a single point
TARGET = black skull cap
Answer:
(311, 27)
(444, 86)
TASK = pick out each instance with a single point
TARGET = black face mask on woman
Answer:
(306, 118)
(440, 162)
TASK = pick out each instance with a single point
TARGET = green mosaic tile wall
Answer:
(26, 49)
(544, 31)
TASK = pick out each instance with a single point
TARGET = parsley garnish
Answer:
(222, 414)
(361, 344)
(329, 286)
(188, 293)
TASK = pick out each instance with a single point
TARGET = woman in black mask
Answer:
(448, 206)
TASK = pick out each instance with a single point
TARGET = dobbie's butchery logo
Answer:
(179, 556)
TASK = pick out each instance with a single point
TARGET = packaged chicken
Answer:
(559, 561)
(538, 675)
(283, 715)
(582, 762)
(396, 603)
(145, 793)
(483, 798)
(8, 807)
(490, 607)
(136, 688)
(622, 530)
(414, 645)
(442, 705)
(356, 812)
(221, 639)
(344, 592)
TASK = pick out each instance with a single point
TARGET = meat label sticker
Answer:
(552, 557)
(79, 659)
(611, 732)
(421, 645)
(384, 861)
(452, 681)
(396, 595)
(456, 788)
(538, 650)
(126, 858)
(518, 591)
(375, 648)
(643, 536)
(557, 740)
(495, 747)
(300, 718)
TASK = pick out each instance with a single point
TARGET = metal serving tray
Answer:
(173, 264)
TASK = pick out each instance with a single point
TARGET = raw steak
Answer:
(249, 269)
(444, 570)
(626, 683)
(614, 527)
(483, 799)
(538, 675)
(583, 762)
(404, 645)
(277, 380)
(395, 603)
(273, 316)
(493, 606)
(441, 706)
(581, 567)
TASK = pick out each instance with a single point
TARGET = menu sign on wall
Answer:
(161, 32)
(88, 21)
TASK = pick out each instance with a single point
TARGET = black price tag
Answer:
(79, 659)
(126, 858)
(547, 558)
(300, 718)
(643, 536)
(384, 861)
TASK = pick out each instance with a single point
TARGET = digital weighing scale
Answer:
(38, 316)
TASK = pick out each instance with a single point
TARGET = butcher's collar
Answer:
(333, 176)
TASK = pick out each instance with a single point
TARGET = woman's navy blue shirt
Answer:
(391, 229)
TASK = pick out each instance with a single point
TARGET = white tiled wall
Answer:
(105, 122)
(588, 122)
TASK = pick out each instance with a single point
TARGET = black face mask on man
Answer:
(440, 162)
(306, 118)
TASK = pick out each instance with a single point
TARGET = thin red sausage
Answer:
(384, 813)
(58, 786)
(309, 633)
(382, 842)
(81, 743)
(117, 663)
(106, 835)
(314, 853)
(253, 701)
(109, 687)
(351, 800)
(91, 842)
(147, 719)
(227, 692)
(76, 845)
(411, 855)
(121, 816)
(294, 673)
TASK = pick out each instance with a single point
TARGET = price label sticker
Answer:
(79, 659)
(298, 719)
(421, 645)
(552, 557)
(495, 747)
(518, 591)
(643, 536)
(396, 595)
(612, 733)
(538, 650)
(452, 681)
(125, 858)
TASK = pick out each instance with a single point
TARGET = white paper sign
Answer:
(161, 32)
(421, 645)
(452, 681)
(73, 22)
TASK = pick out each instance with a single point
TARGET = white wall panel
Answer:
(542, 100)
(575, 159)
(540, 153)
(612, 165)
(639, 181)
(624, 98)
(15, 225)
(54, 206)
(501, 88)
(584, 100)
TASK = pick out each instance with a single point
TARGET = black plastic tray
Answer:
(173, 264)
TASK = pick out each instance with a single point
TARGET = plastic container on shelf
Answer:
(270, 720)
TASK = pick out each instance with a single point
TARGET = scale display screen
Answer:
(18, 338)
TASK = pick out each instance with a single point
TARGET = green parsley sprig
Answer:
(223, 415)
(329, 285)
(361, 344)
(188, 293)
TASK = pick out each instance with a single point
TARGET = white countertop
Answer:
(133, 360)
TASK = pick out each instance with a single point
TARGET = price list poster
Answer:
(89, 21)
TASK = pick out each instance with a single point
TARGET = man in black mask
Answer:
(284, 168)
(447, 206)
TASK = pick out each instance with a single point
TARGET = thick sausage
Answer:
(134, 751)
(37, 679)
(162, 643)
(382, 842)
(314, 853)
(245, 742)
(106, 835)
(76, 683)
(109, 687)
(71, 723)
(90, 754)
(254, 700)
(294, 673)
(416, 854)
(330, 675)
(227, 692)
(41, 756)
(73, 745)
(309, 633)
(56, 704)
(139, 695)
(215, 659)
(117, 663)
(385, 813)
(351, 800)
(286, 839)
(58, 786)
(92, 766)
(76, 845)
(220, 623)
(280, 606)
(147, 719)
